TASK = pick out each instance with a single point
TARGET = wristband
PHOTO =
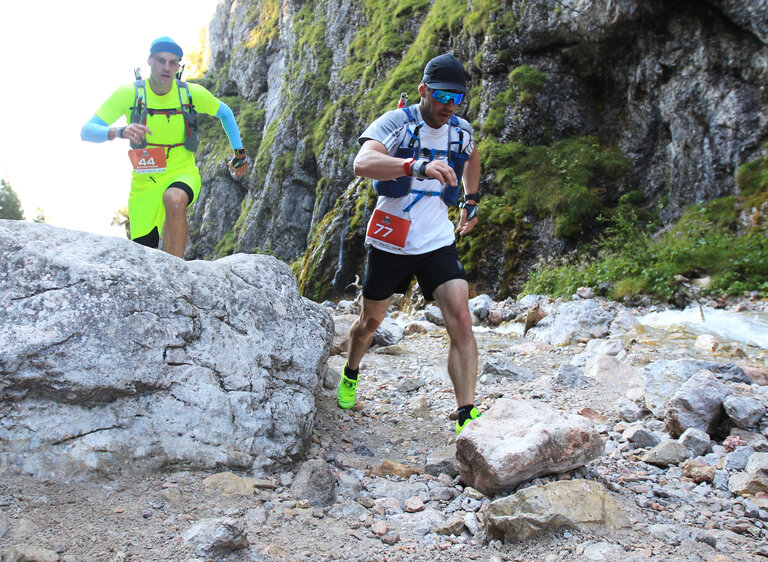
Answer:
(119, 132)
(472, 197)
(407, 165)
(471, 210)
(239, 151)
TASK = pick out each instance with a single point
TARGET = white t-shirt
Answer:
(430, 228)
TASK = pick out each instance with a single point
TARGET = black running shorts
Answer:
(387, 273)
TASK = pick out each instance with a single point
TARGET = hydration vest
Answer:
(140, 110)
(400, 187)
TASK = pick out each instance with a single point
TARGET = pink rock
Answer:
(517, 440)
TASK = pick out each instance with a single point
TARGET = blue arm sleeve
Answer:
(230, 125)
(95, 130)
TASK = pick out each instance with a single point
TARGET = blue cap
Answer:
(165, 45)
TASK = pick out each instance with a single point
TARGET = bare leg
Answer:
(361, 332)
(176, 230)
(452, 298)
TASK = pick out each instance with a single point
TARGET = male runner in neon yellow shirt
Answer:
(165, 178)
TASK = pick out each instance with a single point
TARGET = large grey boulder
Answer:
(117, 357)
(315, 482)
(572, 322)
(516, 440)
(663, 379)
(216, 537)
(698, 404)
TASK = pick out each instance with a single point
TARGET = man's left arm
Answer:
(471, 181)
(238, 166)
(206, 102)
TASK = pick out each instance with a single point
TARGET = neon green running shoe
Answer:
(346, 391)
(473, 415)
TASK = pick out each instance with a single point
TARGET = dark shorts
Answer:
(387, 273)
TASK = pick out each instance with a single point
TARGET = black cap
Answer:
(445, 72)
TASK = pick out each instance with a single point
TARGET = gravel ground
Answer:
(135, 517)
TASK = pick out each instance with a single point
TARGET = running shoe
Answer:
(473, 415)
(346, 391)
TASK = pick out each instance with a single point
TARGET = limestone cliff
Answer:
(576, 104)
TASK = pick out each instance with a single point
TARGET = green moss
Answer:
(363, 203)
(562, 180)
(528, 81)
(752, 177)
(226, 245)
(384, 37)
(439, 21)
(265, 14)
(489, 17)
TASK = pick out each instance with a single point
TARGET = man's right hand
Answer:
(442, 172)
(135, 132)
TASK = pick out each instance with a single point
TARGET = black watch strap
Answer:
(472, 197)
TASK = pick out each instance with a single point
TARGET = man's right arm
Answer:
(99, 129)
(374, 162)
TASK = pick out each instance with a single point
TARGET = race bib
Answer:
(148, 160)
(388, 228)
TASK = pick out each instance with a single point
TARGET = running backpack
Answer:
(400, 187)
(140, 110)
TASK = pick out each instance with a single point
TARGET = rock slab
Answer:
(116, 357)
(516, 440)
(576, 504)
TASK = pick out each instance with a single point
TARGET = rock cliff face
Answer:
(575, 104)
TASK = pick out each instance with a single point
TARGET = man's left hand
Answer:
(238, 166)
(468, 218)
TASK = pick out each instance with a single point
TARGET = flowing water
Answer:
(746, 327)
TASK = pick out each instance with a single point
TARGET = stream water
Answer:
(747, 327)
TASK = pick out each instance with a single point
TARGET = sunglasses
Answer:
(444, 96)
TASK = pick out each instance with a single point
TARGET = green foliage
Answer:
(703, 242)
(10, 206)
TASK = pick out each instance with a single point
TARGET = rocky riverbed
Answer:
(380, 481)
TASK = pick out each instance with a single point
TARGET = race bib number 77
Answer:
(388, 228)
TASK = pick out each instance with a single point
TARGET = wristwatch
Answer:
(472, 197)
(119, 132)
(419, 169)
(239, 152)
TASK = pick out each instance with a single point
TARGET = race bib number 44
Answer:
(148, 160)
(388, 228)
